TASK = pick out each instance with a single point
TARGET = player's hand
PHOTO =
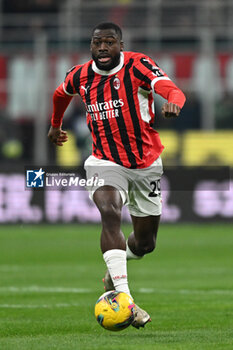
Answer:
(57, 136)
(170, 110)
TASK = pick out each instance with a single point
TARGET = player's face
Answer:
(105, 48)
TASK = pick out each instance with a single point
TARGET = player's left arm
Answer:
(149, 73)
(174, 96)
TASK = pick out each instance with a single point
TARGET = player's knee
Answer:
(147, 247)
(110, 212)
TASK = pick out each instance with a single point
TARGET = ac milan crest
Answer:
(116, 83)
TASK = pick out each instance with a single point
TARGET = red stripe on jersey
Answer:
(133, 108)
(90, 82)
(105, 116)
(122, 125)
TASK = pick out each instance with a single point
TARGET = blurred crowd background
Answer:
(192, 41)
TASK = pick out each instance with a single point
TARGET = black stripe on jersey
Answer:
(132, 108)
(145, 88)
(152, 68)
(76, 80)
(70, 70)
(90, 75)
(107, 128)
(69, 88)
(98, 145)
(90, 129)
(122, 129)
(141, 76)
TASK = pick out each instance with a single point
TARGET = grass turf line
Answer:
(186, 286)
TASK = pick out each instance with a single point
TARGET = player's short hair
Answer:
(109, 25)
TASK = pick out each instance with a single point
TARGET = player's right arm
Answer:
(60, 102)
(61, 99)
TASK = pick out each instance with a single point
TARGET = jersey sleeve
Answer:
(151, 77)
(61, 101)
(71, 83)
(64, 93)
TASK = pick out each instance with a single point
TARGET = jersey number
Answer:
(156, 189)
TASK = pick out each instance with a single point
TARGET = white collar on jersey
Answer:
(109, 72)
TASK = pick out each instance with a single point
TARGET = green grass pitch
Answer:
(51, 277)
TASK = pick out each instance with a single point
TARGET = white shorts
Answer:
(139, 188)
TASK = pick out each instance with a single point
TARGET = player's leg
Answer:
(109, 202)
(143, 239)
(140, 242)
(145, 209)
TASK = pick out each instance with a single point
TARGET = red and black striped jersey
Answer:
(119, 107)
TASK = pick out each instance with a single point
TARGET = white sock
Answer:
(115, 260)
(130, 255)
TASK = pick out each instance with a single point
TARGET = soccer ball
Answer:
(114, 310)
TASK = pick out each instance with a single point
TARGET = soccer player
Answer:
(116, 88)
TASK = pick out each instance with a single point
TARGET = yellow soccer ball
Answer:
(114, 310)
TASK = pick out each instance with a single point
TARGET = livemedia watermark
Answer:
(42, 178)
